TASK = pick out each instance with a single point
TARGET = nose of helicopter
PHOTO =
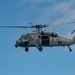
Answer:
(18, 42)
(21, 43)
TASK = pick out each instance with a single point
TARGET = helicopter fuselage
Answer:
(41, 39)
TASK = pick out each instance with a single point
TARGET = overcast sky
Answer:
(52, 61)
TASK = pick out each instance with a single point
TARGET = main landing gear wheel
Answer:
(26, 49)
(40, 49)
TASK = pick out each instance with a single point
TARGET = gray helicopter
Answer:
(41, 38)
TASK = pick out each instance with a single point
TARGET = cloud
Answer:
(64, 12)
(53, 12)
(57, 13)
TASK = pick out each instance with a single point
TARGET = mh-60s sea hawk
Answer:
(41, 38)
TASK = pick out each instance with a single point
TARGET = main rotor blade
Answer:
(36, 26)
(15, 26)
(61, 24)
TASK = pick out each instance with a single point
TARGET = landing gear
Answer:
(70, 49)
(40, 49)
(26, 49)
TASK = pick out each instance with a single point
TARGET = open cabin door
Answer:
(45, 40)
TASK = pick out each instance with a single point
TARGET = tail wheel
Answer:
(26, 49)
(40, 49)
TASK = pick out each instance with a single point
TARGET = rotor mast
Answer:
(39, 27)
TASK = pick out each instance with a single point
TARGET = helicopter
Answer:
(42, 38)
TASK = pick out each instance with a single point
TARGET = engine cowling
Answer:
(49, 33)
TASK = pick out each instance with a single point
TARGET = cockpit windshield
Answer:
(24, 37)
